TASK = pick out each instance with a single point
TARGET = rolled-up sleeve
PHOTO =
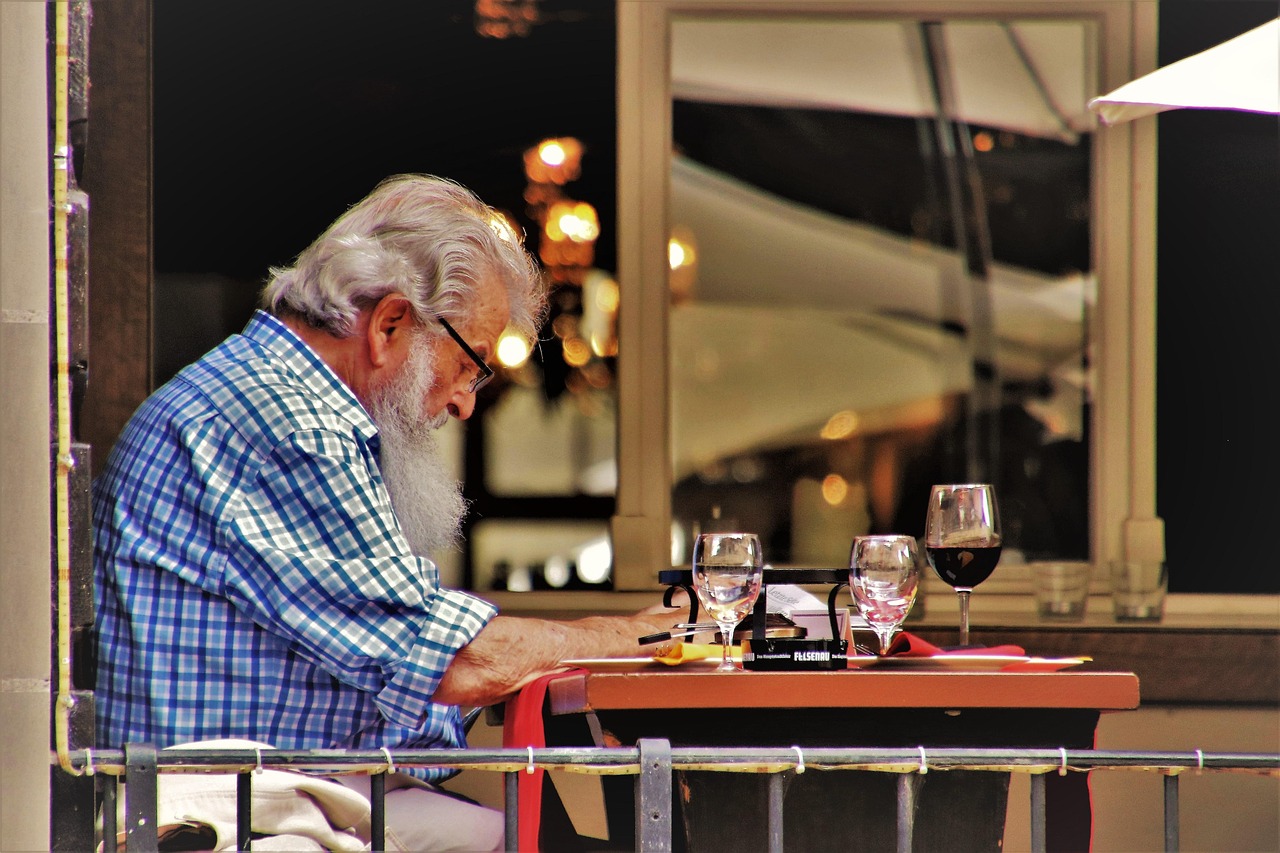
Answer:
(459, 617)
(317, 557)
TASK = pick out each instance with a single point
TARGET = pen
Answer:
(661, 636)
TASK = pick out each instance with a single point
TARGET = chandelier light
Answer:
(502, 19)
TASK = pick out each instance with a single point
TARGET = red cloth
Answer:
(522, 727)
(907, 644)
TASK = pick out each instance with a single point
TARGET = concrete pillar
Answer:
(26, 679)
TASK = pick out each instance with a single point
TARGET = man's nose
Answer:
(462, 404)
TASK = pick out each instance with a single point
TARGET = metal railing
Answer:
(653, 762)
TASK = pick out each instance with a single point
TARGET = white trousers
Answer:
(421, 818)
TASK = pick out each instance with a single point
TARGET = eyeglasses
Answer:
(485, 371)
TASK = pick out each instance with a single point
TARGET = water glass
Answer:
(728, 570)
(1061, 589)
(1138, 589)
(884, 574)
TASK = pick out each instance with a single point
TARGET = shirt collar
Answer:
(268, 331)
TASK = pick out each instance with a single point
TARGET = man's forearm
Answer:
(511, 651)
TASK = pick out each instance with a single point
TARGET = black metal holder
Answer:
(839, 578)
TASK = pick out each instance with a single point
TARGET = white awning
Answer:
(1028, 77)
(1240, 74)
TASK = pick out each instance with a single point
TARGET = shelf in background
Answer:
(1193, 666)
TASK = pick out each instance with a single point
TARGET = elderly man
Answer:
(263, 523)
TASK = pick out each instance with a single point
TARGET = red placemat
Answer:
(906, 644)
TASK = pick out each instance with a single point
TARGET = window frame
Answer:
(1123, 522)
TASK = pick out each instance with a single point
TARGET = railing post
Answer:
(1171, 813)
(140, 798)
(1038, 826)
(378, 812)
(110, 792)
(510, 810)
(908, 785)
(653, 796)
(777, 795)
(244, 811)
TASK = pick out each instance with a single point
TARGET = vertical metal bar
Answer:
(973, 239)
(1171, 813)
(244, 810)
(378, 811)
(907, 783)
(110, 791)
(760, 616)
(1038, 833)
(140, 798)
(510, 811)
(939, 74)
(653, 796)
(776, 793)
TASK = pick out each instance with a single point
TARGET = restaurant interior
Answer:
(793, 303)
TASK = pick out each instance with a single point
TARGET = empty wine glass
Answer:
(884, 573)
(962, 539)
(727, 571)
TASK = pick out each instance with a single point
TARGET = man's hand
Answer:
(511, 651)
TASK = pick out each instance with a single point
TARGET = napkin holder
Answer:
(786, 654)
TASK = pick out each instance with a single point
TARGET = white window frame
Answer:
(1122, 465)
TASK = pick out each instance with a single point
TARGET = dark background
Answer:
(271, 117)
(1217, 268)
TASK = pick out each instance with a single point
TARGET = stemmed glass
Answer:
(962, 539)
(884, 573)
(727, 571)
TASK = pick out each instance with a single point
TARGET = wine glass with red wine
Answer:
(962, 539)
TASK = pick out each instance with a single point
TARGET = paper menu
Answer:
(785, 597)
(807, 610)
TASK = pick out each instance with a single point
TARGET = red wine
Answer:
(964, 567)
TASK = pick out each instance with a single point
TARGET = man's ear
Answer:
(390, 321)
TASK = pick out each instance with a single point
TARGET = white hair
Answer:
(428, 238)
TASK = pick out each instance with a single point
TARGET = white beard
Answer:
(427, 501)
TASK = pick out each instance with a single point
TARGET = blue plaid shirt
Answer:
(252, 580)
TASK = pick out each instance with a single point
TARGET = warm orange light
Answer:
(568, 240)
(599, 313)
(576, 352)
(604, 345)
(576, 221)
(834, 489)
(680, 253)
(513, 350)
(840, 425)
(505, 18)
(551, 153)
(607, 295)
(554, 161)
(682, 259)
(983, 141)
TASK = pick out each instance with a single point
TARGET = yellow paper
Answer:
(681, 652)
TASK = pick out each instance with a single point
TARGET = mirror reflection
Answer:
(881, 278)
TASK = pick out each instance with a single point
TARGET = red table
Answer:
(957, 810)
